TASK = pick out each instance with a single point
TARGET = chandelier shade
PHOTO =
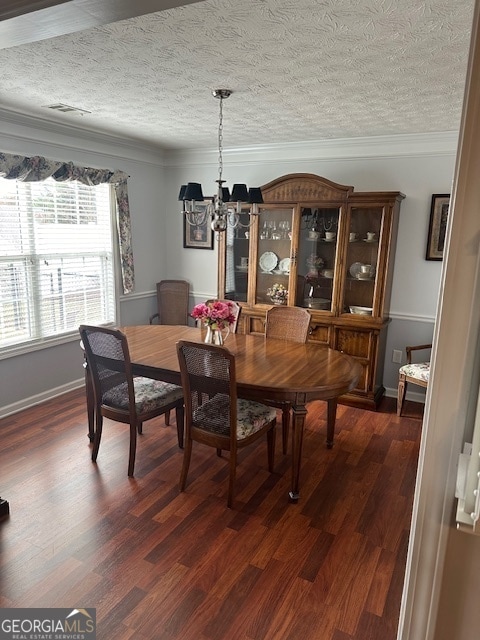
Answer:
(220, 213)
(239, 193)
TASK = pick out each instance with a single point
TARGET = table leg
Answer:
(298, 424)
(331, 417)
(90, 403)
(4, 508)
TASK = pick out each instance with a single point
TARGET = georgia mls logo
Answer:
(47, 624)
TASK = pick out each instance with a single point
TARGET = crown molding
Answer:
(20, 126)
(394, 146)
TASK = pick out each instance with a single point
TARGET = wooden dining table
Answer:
(266, 369)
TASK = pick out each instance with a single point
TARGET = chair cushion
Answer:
(149, 395)
(419, 371)
(213, 415)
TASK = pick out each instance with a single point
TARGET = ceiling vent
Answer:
(65, 108)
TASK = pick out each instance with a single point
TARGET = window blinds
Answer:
(56, 259)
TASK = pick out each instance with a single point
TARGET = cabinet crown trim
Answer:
(304, 187)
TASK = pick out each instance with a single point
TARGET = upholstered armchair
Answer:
(413, 372)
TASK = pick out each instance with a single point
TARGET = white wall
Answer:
(416, 165)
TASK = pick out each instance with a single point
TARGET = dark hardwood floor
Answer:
(158, 564)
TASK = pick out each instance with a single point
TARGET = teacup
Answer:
(366, 269)
(313, 235)
(352, 237)
(330, 235)
(244, 263)
(370, 236)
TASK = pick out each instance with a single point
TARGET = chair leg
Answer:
(285, 427)
(219, 453)
(180, 419)
(402, 390)
(231, 481)
(140, 428)
(133, 449)
(187, 454)
(98, 435)
(271, 448)
(167, 418)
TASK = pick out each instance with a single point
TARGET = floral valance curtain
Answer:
(36, 169)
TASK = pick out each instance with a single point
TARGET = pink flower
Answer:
(217, 314)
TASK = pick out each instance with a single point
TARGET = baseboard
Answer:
(26, 403)
(410, 395)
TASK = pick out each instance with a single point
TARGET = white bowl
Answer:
(361, 311)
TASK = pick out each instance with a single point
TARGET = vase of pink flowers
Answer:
(216, 316)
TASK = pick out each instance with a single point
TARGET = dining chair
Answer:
(172, 302)
(236, 310)
(214, 415)
(291, 324)
(121, 396)
(413, 372)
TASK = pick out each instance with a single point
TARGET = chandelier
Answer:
(224, 208)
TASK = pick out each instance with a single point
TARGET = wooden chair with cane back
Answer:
(286, 323)
(214, 416)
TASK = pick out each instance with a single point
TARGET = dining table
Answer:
(266, 369)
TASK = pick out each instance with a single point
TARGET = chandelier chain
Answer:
(220, 142)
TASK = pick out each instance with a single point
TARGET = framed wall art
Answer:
(197, 236)
(438, 226)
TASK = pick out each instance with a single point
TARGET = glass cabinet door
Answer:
(317, 257)
(365, 224)
(237, 249)
(273, 256)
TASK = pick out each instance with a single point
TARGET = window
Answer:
(56, 259)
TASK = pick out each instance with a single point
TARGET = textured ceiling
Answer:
(299, 69)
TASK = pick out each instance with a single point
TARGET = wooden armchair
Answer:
(413, 372)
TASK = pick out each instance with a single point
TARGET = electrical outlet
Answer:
(397, 356)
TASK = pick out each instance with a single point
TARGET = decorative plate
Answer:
(285, 265)
(355, 269)
(268, 261)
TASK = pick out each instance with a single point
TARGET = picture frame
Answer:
(200, 236)
(437, 228)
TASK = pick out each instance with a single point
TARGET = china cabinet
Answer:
(326, 248)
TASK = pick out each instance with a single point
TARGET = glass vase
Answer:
(213, 336)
